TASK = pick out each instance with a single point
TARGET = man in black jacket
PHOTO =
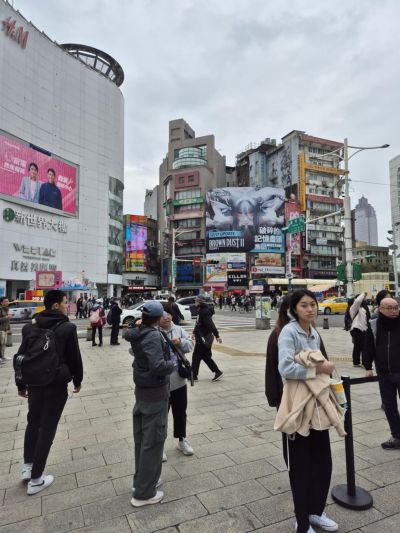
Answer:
(204, 333)
(46, 403)
(382, 347)
(115, 318)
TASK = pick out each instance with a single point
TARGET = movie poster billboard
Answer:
(218, 265)
(292, 210)
(29, 174)
(135, 243)
(245, 219)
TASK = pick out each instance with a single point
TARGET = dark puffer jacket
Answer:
(205, 323)
(152, 364)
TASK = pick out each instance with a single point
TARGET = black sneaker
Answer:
(391, 444)
(218, 376)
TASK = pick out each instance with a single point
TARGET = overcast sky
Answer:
(244, 70)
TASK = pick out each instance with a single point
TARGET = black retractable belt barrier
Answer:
(350, 495)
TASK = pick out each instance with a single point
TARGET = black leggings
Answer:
(358, 337)
(100, 328)
(178, 404)
(310, 470)
(46, 405)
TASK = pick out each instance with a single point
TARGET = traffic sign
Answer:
(289, 275)
(197, 261)
(296, 225)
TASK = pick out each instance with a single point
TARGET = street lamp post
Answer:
(394, 247)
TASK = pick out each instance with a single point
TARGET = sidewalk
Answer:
(236, 481)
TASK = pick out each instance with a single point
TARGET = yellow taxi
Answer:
(23, 310)
(333, 306)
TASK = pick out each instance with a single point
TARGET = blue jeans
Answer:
(389, 386)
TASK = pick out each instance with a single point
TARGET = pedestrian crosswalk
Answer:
(230, 323)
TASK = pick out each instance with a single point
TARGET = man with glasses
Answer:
(382, 347)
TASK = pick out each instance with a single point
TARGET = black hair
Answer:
(283, 317)
(149, 320)
(3, 298)
(295, 299)
(53, 297)
(51, 170)
(33, 165)
(171, 299)
(381, 295)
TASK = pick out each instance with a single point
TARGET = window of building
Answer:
(189, 223)
(181, 179)
(191, 179)
(191, 193)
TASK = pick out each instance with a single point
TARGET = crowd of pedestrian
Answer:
(297, 383)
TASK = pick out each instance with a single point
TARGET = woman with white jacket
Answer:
(309, 457)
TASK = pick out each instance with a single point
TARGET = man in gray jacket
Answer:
(152, 367)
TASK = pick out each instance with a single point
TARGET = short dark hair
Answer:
(53, 297)
(51, 170)
(382, 295)
(171, 299)
(149, 320)
(33, 165)
(3, 298)
(296, 297)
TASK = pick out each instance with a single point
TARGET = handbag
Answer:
(208, 340)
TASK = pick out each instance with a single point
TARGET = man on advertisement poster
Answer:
(245, 219)
(30, 186)
(50, 194)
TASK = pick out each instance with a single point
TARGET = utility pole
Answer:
(348, 241)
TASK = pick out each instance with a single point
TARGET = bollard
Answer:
(325, 324)
(349, 495)
(89, 333)
(263, 323)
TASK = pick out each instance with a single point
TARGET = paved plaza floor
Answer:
(236, 481)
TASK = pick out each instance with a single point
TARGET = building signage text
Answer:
(35, 221)
(15, 32)
(189, 201)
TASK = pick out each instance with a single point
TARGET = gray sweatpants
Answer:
(149, 432)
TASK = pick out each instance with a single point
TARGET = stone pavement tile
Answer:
(273, 509)
(223, 434)
(164, 515)
(8, 425)
(6, 444)
(263, 451)
(370, 415)
(374, 426)
(244, 472)
(117, 434)
(341, 480)
(339, 463)
(257, 438)
(55, 457)
(286, 526)
(95, 448)
(214, 448)
(33, 525)
(194, 429)
(16, 512)
(61, 521)
(275, 483)
(79, 496)
(9, 480)
(118, 454)
(198, 466)
(195, 440)
(373, 440)
(124, 484)
(71, 467)
(106, 508)
(190, 486)
(375, 456)
(386, 525)
(383, 474)
(103, 473)
(5, 467)
(84, 415)
(278, 462)
(222, 406)
(237, 520)
(232, 496)
(2, 494)
(349, 520)
(18, 493)
(233, 421)
(117, 525)
(386, 499)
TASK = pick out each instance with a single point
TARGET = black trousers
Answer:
(100, 328)
(178, 404)
(389, 386)
(114, 333)
(202, 353)
(46, 405)
(358, 345)
(310, 470)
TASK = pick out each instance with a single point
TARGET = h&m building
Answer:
(61, 160)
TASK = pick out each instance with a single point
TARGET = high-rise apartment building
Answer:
(365, 223)
(191, 167)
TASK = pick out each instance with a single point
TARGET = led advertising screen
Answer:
(135, 243)
(245, 219)
(28, 174)
(218, 265)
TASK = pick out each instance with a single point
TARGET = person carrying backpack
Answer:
(97, 321)
(47, 360)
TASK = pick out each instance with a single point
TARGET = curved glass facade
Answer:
(194, 156)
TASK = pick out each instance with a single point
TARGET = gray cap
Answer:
(153, 308)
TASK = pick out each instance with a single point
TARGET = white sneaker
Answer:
(159, 482)
(155, 499)
(184, 447)
(40, 484)
(323, 522)
(6, 358)
(26, 471)
(164, 457)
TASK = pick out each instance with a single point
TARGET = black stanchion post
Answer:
(349, 495)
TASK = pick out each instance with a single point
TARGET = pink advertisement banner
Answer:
(33, 176)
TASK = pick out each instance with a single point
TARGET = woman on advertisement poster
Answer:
(30, 186)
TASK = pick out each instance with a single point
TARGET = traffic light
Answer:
(212, 262)
(341, 273)
(357, 272)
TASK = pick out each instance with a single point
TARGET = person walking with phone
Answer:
(204, 334)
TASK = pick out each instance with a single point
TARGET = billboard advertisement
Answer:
(218, 265)
(135, 243)
(48, 279)
(30, 174)
(245, 219)
(292, 210)
(237, 279)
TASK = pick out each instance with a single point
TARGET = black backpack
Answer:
(36, 363)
